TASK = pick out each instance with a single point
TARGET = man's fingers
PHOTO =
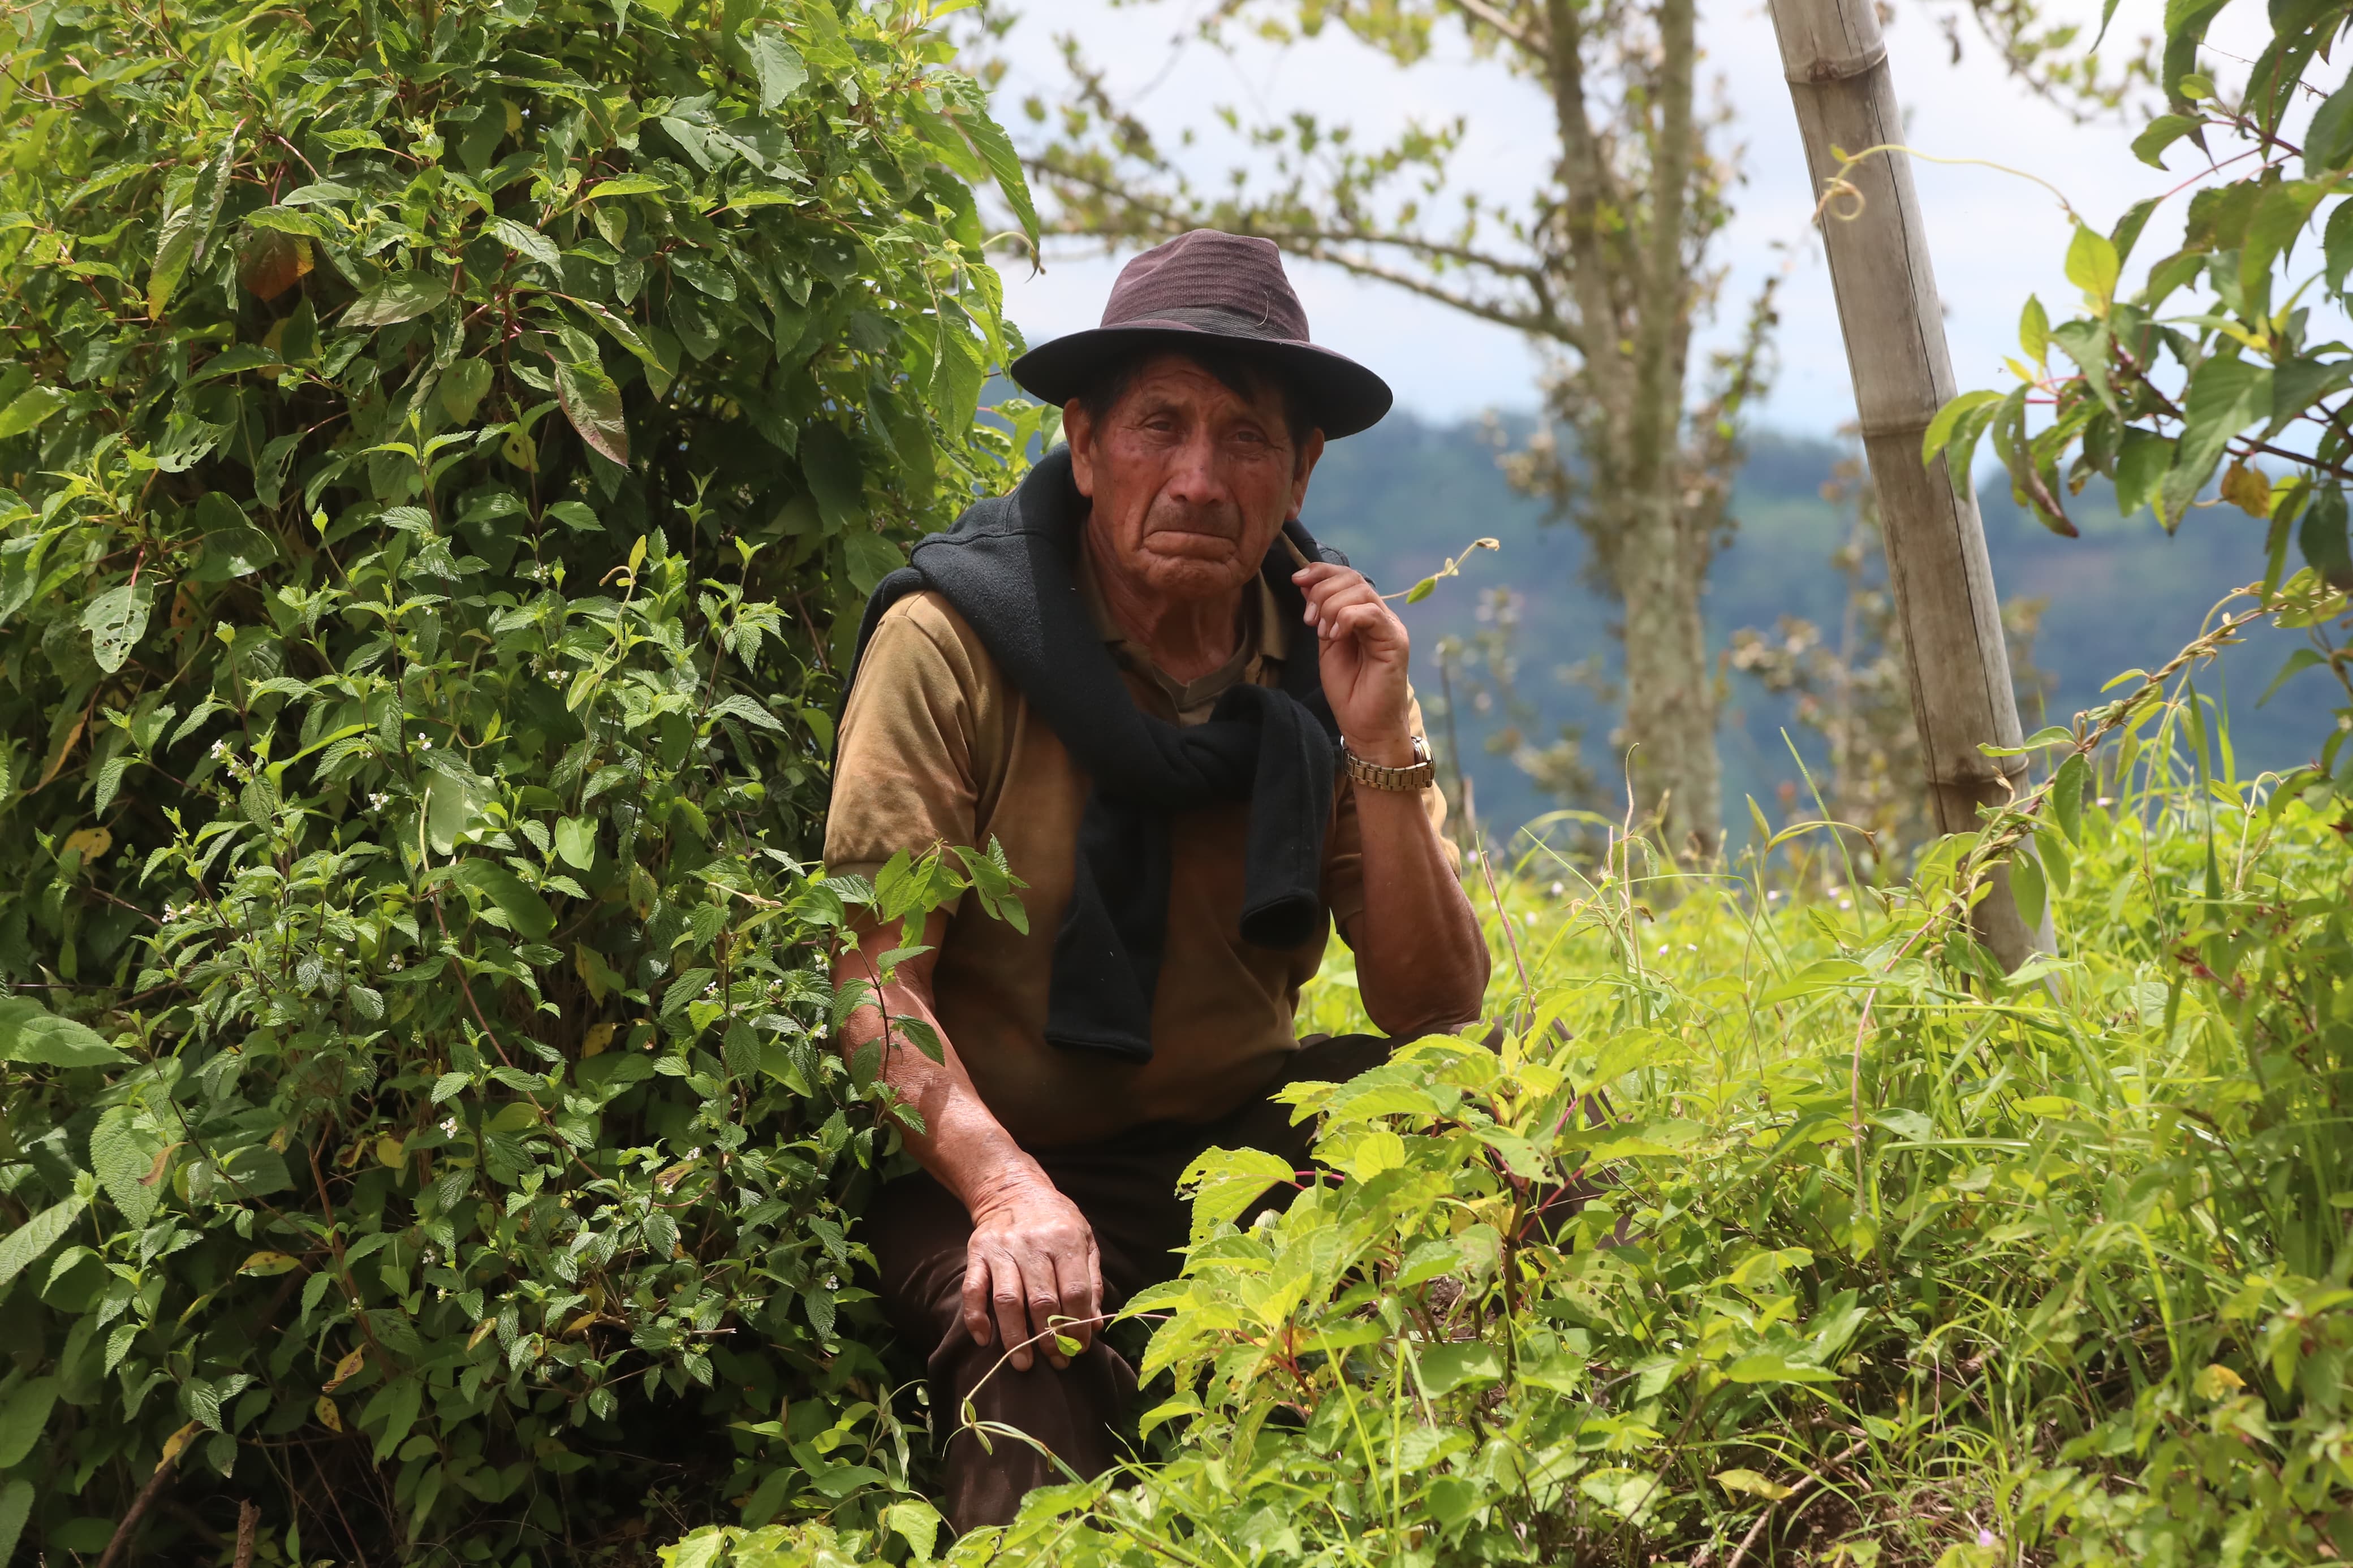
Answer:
(976, 1299)
(1073, 1272)
(1006, 1300)
(1045, 1305)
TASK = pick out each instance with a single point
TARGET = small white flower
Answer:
(1663, 946)
(1774, 897)
(449, 1127)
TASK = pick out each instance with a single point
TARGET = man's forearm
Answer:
(1421, 962)
(961, 1143)
(1033, 1275)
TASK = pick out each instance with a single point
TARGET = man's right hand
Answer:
(1031, 1269)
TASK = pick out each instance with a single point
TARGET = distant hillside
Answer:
(1403, 497)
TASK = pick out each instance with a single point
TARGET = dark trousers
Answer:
(1126, 1187)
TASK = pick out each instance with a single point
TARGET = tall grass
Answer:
(1881, 1257)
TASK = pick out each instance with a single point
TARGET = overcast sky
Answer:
(1993, 238)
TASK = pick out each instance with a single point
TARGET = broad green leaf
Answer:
(1225, 1181)
(1458, 1364)
(2321, 535)
(2034, 331)
(26, 1245)
(625, 186)
(2162, 133)
(121, 1156)
(831, 467)
(526, 912)
(32, 1035)
(2026, 886)
(738, 706)
(15, 1508)
(870, 558)
(1941, 428)
(463, 386)
(781, 71)
(403, 297)
(28, 409)
(917, 1522)
(593, 403)
(529, 241)
(1767, 1366)
(2302, 659)
(575, 840)
(23, 1415)
(2092, 263)
(449, 807)
(2328, 139)
(2067, 797)
(175, 247)
(1751, 1482)
(988, 139)
(2225, 395)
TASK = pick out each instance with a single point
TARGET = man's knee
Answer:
(1008, 1431)
(919, 1234)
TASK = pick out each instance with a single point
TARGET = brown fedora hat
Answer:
(1208, 284)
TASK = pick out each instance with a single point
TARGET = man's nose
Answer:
(1195, 475)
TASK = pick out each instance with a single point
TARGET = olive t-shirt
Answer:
(938, 747)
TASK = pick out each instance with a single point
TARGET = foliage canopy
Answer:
(439, 441)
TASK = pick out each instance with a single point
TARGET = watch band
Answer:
(1373, 775)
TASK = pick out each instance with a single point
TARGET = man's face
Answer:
(1190, 481)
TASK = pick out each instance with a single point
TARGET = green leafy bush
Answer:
(441, 442)
(1891, 1258)
(2224, 360)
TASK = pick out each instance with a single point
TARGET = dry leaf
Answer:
(2247, 489)
(271, 263)
(177, 1441)
(346, 1369)
(89, 843)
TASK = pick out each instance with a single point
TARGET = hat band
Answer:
(1210, 318)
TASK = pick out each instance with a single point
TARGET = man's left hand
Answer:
(1364, 647)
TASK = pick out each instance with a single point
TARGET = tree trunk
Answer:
(1670, 700)
(1836, 63)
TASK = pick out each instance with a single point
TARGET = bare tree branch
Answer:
(1496, 22)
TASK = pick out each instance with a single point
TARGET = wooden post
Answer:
(1836, 63)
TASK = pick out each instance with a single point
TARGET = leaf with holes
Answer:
(116, 620)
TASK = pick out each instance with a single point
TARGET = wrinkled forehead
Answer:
(1229, 385)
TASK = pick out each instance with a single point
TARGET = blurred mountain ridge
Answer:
(1402, 498)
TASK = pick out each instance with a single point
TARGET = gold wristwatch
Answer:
(1373, 775)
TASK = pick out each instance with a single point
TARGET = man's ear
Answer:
(1079, 430)
(1311, 452)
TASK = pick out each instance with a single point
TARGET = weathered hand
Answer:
(1031, 1269)
(1363, 649)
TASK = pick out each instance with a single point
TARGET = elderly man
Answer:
(1193, 741)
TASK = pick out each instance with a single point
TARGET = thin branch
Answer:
(1495, 21)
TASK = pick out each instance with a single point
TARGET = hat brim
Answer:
(1344, 397)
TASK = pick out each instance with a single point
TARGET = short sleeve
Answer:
(1344, 861)
(903, 773)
